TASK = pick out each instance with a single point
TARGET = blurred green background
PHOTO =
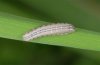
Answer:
(14, 52)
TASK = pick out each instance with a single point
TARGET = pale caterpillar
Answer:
(53, 29)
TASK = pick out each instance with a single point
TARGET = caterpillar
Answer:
(52, 29)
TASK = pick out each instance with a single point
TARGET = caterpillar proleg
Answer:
(52, 29)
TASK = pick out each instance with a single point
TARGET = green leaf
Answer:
(14, 27)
